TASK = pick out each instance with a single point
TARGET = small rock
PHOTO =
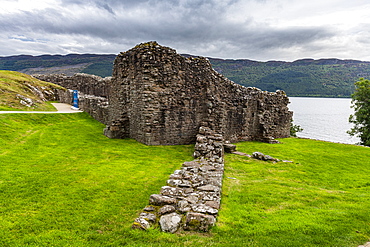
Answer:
(229, 148)
(159, 200)
(149, 209)
(171, 191)
(199, 222)
(148, 217)
(191, 164)
(183, 206)
(166, 209)
(170, 222)
(209, 187)
(213, 204)
(202, 208)
(192, 199)
(141, 223)
(261, 156)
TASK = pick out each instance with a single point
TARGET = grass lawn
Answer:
(63, 183)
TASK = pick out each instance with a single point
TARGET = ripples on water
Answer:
(323, 118)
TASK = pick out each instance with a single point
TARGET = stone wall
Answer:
(191, 198)
(84, 83)
(92, 92)
(159, 97)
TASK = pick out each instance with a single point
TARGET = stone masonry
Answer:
(191, 199)
(159, 97)
(92, 92)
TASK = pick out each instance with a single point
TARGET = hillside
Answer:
(23, 92)
(56, 64)
(306, 77)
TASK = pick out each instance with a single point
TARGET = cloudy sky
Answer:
(252, 29)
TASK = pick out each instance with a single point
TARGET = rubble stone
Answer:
(170, 222)
(199, 222)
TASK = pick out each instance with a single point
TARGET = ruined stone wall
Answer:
(84, 83)
(191, 198)
(156, 98)
(159, 97)
(92, 93)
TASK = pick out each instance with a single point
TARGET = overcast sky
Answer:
(252, 29)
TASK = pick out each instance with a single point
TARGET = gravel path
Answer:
(61, 108)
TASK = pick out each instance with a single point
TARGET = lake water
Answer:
(323, 118)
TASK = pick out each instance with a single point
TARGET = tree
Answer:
(361, 116)
(294, 129)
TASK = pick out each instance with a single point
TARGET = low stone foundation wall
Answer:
(191, 199)
(96, 106)
(92, 93)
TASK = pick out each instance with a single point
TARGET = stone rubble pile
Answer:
(191, 199)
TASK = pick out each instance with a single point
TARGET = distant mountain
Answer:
(305, 77)
(68, 64)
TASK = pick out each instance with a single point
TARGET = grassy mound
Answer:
(63, 183)
(23, 92)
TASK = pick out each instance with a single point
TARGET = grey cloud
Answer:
(199, 27)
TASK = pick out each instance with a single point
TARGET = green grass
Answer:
(14, 83)
(321, 199)
(63, 183)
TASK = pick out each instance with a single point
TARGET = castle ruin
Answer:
(159, 97)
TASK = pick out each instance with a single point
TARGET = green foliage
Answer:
(103, 68)
(63, 183)
(294, 128)
(361, 117)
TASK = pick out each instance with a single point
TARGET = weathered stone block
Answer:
(166, 209)
(199, 222)
(209, 187)
(229, 148)
(170, 222)
(159, 200)
(141, 223)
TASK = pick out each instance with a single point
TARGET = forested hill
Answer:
(306, 77)
(70, 64)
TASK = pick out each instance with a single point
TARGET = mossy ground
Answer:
(63, 183)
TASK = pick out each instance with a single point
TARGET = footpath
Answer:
(61, 108)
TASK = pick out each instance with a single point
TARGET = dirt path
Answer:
(61, 108)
